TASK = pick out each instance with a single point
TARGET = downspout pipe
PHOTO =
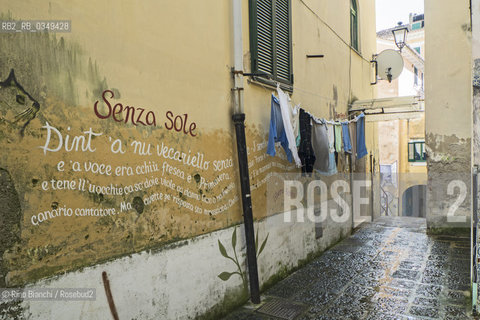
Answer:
(474, 248)
(239, 123)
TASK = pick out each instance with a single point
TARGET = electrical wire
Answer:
(351, 118)
(355, 115)
(330, 28)
(269, 87)
(329, 99)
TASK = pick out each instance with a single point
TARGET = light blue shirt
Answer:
(277, 131)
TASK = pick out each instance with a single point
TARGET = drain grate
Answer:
(281, 309)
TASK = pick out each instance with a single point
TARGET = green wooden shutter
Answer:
(270, 39)
(282, 40)
(264, 36)
(411, 152)
(354, 24)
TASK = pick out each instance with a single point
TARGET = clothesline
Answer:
(311, 142)
(300, 90)
(335, 122)
(323, 120)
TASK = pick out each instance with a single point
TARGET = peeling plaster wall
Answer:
(180, 281)
(162, 259)
(476, 118)
(476, 81)
(448, 106)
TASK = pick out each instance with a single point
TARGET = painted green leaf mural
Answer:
(263, 244)
(234, 238)
(227, 275)
(222, 249)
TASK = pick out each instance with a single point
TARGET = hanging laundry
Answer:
(287, 124)
(332, 163)
(296, 125)
(323, 139)
(312, 143)
(331, 137)
(298, 138)
(338, 138)
(305, 151)
(340, 157)
(277, 131)
(352, 128)
(320, 146)
(347, 146)
(361, 147)
(338, 141)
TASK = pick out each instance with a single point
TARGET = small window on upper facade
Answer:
(417, 26)
(271, 41)
(354, 25)
(417, 152)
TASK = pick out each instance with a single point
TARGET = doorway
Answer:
(414, 201)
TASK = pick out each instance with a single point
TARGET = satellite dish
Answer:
(389, 64)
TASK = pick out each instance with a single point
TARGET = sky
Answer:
(389, 12)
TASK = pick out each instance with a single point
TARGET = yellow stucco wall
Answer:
(394, 137)
(161, 56)
(448, 68)
(413, 129)
(448, 107)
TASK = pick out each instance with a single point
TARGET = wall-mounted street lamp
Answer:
(400, 35)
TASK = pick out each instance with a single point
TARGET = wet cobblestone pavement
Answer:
(389, 269)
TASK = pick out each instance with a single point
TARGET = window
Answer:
(416, 26)
(416, 151)
(418, 17)
(271, 41)
(354, 24)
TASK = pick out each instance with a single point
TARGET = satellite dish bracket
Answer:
(388, 65)
(375, 64)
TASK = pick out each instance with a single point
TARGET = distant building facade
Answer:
(402, 140)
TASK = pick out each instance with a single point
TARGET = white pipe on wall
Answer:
(237, 56)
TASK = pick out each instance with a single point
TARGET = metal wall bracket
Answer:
(375, 63)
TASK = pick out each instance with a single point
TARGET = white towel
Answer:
(287, 123)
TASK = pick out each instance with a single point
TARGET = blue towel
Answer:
(347, 146)
(361, 147)
(277, 131)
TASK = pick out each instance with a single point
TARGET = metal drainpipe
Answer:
(239, 122)
(372, 189)
(350, 170)
(474, 235)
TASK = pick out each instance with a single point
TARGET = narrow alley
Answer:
(388, 269)
(239, 159)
